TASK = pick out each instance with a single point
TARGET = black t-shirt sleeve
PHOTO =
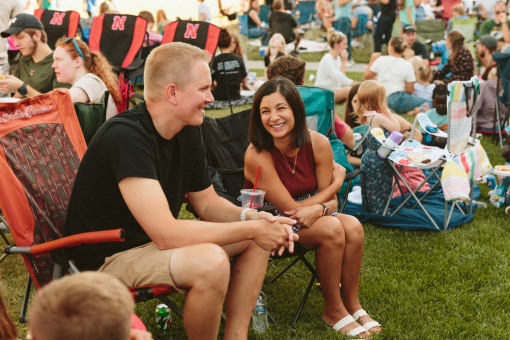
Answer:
(128, 153)
(200, 179)
(293, 21)
(243, 72)
(422, 51)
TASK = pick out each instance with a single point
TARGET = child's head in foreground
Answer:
(439, 98)
(84, 306)
(371, 97)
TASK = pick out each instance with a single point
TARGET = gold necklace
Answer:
(293, 171)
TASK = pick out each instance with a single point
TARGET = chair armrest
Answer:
(351, 175)
(116, 235)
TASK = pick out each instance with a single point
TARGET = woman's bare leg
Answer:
(351, 267)
(327, 237)
(341, 94)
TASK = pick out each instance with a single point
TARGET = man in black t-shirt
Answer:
(134, 176)
(228, 71)
(384, 26)
(283, 23)
(409, 35)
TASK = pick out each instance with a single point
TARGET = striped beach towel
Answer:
(455, 183)
(474, 162)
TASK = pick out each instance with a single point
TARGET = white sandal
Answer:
(344, 322)
(369, 325)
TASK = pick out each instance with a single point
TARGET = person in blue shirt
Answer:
(343, 20)
(91, 7)
(438, 115)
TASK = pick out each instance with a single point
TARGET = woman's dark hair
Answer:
(258, 135)
(457, 41)
(225, 38)
(8, 330)
(350, 115)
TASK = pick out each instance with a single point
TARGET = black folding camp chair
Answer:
(197, 33)
(226, 141)
(120, 38)
(58, 24)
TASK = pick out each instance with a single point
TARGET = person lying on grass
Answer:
(295, 163)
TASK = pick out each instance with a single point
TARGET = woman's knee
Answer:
(332, 231)
(353, 229)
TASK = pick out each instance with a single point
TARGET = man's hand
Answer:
(10, 84)
(274, 233)
(135, 334)
(502, 17)
(306, 216)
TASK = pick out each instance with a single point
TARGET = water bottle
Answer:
(259, 316)
(390, 143)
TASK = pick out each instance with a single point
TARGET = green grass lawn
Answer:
(418, 284)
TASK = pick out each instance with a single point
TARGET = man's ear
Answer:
(37, 36)
(171, 93)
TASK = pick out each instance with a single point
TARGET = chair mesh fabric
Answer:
(41, 148)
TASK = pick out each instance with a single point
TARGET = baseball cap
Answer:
(20, 22)
(408, 28)
(488, 40)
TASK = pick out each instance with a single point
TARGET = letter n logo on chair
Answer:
(58, 18)
(191, 31)
(119, 23)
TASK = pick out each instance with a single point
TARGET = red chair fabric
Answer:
(197, 33)
(118, 37)
(58, 24)
(41, 148)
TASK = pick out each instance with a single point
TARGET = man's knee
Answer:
(214, 268)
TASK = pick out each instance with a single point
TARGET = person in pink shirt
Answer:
(154, 38)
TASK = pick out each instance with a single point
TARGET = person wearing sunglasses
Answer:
(499, 26)
(88, 72)
(34, 75)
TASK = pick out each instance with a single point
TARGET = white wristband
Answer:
(243, 214)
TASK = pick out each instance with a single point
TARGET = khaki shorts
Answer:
(143, 266)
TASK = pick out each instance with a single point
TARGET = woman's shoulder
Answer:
(253, 155)
(319, 142)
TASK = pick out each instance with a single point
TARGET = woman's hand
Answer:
(344, 55)
(306, 216)
(338, 174)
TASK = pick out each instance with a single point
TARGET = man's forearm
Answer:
(506, 31)
(31, 92)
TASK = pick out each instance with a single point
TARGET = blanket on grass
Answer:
(413, 219)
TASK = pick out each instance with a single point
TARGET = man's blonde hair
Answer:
(85, 306)
(170, 63)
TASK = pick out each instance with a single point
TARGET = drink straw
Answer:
(255, 185)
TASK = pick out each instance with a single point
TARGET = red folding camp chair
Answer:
(58, 24)
(41, 149)
(197, 33)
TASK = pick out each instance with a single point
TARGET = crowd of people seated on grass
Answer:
(141, 163)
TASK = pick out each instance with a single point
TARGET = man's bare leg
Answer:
(246, 279)
(204, 270)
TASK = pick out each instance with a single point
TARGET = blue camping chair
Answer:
(264, 13)
(243, 31)
(362, 33)
(305, 11)
(503, 61)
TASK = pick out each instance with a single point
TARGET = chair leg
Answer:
(303, 301)
(23, 316)
(284, 270)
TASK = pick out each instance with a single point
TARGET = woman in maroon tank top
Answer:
(296, 162)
